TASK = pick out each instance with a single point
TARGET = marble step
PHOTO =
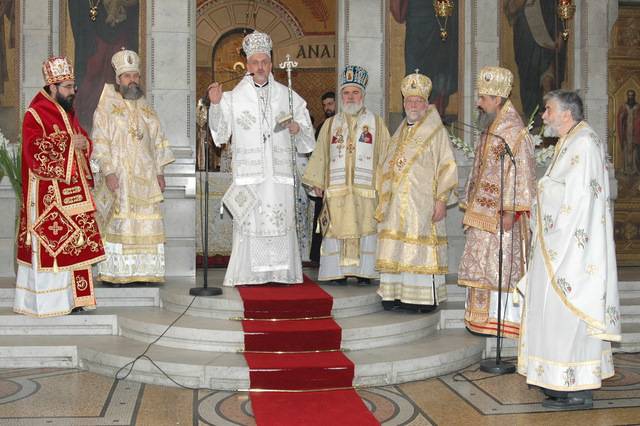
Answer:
(174, 295)
(375, 329)
(630, 339)
(132, 296)
(349, 301)
(630, 310)
(200, 349)
(442, 352)
(145, 324)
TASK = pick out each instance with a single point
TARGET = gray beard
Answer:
(131, 93)
(485, 119)
(549, 131)
(351, 109)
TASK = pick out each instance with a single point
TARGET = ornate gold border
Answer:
(391, 90)
(142, 33)
(502, 34)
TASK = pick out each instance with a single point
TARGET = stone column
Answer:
(591, 30)
(38, 40)
(170, 40)
(171, 90)
(360, 40)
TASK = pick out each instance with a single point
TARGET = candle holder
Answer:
(443, 9)
(565, 10)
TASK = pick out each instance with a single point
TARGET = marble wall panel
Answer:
(179, 257)
(38, 52)
(7, 230)
(373, 26)
(36, 14)
(173, 106)
(170, 62)
(367, 53)
(170, 16)
(179, 218)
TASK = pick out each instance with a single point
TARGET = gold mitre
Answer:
(125, 61)
(257, 42)
(57, 69)
(495, 81)
(416, 85)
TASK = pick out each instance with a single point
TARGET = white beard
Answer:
(351, 109)
(414, 115)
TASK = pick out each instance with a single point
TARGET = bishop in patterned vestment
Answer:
(131, 152)
(266, 168)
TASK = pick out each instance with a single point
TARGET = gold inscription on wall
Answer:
(309, 52)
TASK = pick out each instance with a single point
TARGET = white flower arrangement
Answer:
(542, 154)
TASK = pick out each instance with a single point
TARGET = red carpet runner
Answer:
(290, 361)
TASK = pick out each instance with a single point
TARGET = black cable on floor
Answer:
(143, 355)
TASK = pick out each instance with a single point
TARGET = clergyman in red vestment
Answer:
(58, 236)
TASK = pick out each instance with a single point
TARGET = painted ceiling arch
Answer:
(216, 18)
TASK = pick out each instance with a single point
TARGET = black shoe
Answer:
(389, 304)
(77, 309)
(364, 281)
(417, 308)
(341, 281)
(572, 403)
(110, 284)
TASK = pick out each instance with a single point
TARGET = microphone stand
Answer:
(205, 290)
(498, 366)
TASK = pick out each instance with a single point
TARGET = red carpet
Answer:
(295, 301)
(283, 375)
(318, 335)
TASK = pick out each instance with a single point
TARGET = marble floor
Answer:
(63, 396)
(53, 396)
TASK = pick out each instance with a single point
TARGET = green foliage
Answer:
(11, 165)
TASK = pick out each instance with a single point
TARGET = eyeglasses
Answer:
(419, 101)
(68, 86)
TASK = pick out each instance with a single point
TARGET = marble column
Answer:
(591, 29)
(361, 41)
(171, 30)
(170, 88)
(38, 40)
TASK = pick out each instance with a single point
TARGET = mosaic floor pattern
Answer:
(54, 396)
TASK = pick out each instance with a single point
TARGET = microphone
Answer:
(507, 149)
(205, 98)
